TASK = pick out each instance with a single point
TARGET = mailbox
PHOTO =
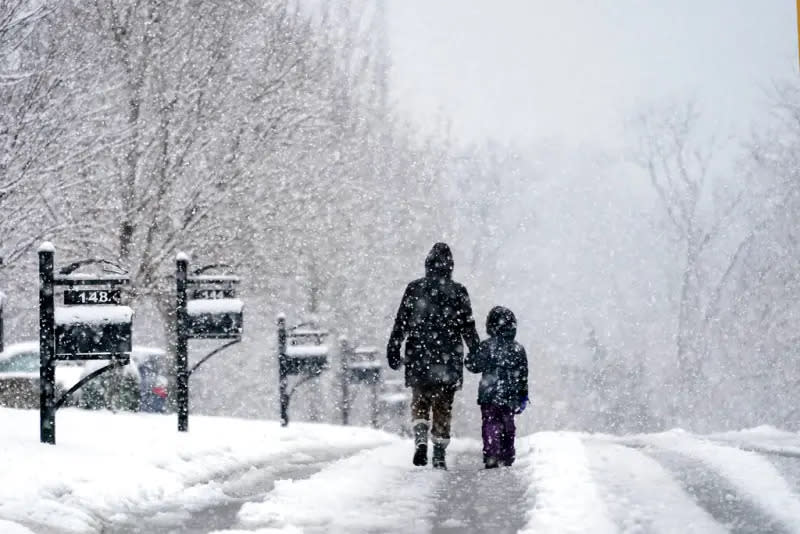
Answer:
(215, 318)
(306, 352)
(92, 332)
(364, 366)
(394, 395)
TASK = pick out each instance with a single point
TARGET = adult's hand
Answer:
(393, 355)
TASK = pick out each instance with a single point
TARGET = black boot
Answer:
(421, 454)
(421, 444)
(438, 457)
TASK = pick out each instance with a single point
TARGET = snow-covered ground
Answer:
(128, 473)
(106, 467)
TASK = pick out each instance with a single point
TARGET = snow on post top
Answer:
(47, 246)
(182, 256)
(281, 317)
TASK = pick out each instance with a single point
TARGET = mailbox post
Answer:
(91, 325)
(394, 403)
(206, 307)
(302, 352)
(360, 366)
(2, 331)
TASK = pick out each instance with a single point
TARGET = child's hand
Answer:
(522, 405)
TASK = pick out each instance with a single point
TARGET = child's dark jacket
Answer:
(502, 362)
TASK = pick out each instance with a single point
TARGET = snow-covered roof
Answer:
(94, 314)
(202, 306)
(93, 365)
(308, 332)
(19, 348)
(394, 398)
(306, 351)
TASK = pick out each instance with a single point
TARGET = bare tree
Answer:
(702, 208)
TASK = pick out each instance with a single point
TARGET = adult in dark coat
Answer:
(434, 319)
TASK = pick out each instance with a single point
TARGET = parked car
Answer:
(19, 376)
(139, 386)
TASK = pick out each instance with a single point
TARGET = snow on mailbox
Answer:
(364, 366)
(306, 351)
(215, 318)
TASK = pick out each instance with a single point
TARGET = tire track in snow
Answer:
(641, 496)
(472, 499)
(740, 488)
(716, 494)
(562, 494)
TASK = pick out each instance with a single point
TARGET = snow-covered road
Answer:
(231, 476)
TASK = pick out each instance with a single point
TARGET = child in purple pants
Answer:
(503, 391)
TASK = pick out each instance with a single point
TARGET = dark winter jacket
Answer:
(434, 316)
(502, 361)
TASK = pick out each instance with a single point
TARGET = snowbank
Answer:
(108, 465)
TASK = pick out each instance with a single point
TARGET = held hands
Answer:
(523, 403)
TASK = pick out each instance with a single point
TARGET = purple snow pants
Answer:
(498, 434)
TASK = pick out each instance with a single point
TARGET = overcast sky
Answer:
(573, 69)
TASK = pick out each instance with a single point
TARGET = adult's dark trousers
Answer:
(432, 403)
(499, 433)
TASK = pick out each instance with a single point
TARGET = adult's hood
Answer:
(501, 322)
(439, 263)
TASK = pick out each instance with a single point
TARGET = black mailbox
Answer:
(364, 366)
(215, 318)
(92, 332)
(306, 351)
(394, 394)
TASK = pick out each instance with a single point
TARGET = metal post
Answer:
(283, 371)
(2, 307)
(375, 407)
(182, 345)
(344, 353)
(47, 371)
